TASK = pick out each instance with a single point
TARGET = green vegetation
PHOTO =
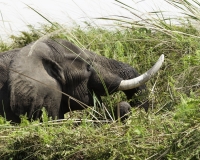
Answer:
(171, 129)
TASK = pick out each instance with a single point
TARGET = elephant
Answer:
(5, 59)
(60, 76)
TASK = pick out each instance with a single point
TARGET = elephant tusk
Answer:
(136, 82)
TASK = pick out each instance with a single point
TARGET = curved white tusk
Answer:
(135, 82)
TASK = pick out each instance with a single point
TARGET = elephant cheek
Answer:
(77, 103)
(107, 85)
(78, 99)
(87, 99)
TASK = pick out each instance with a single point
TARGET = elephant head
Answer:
(87, 73)
(39, 72)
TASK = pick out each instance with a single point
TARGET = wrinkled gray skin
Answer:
(5, 110)
(78, 73)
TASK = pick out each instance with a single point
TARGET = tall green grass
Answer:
(170, 130)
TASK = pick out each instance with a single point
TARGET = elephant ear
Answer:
(54, 70)
(26, 70)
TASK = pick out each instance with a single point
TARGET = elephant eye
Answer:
(89, 67)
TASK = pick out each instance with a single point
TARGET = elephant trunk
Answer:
(138, 81)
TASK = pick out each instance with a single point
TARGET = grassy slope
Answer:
(169, 131)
